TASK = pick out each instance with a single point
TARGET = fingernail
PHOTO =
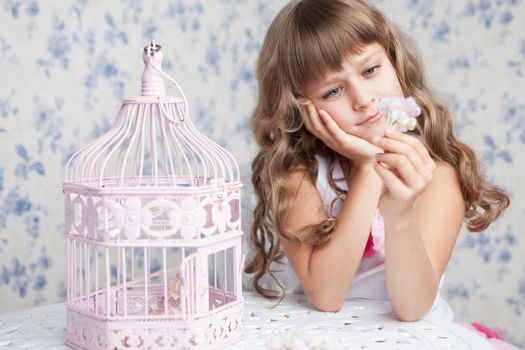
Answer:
(376, 139)
(389, 132)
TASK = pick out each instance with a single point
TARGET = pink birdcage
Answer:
(153, 230)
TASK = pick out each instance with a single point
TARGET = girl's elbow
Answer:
(328, 306)
(327, 303)
(411, 314)
(409, 317)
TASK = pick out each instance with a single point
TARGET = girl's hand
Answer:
(322, 126)
(406, 169)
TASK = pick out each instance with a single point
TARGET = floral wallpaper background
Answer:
(65, 66)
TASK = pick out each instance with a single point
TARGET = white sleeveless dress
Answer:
(369, 281)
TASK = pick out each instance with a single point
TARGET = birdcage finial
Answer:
(152, 80)
(152, 48)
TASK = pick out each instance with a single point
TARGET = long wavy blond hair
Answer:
(306, 40)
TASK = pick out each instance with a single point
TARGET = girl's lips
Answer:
(371, 119)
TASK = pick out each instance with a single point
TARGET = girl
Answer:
(347, 208)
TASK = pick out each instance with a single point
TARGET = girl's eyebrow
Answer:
(367, 58)
(361, 62)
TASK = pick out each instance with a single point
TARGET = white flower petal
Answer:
(399, 112)
(403, 118)
(188, 232)
(146, 218)
(132, 232)
(133, 204)
(412, 124)
(188, 203)
(119, 218)
(201, 217)
(393, 114)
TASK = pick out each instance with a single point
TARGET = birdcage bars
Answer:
(191, 163)
(84, 271)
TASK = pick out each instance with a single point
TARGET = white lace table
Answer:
(359, 325)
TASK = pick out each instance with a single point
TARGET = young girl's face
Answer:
(351, 95)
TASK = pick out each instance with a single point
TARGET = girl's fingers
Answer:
(332, 127)
(307, 120)
(322, 126)
(317, 126)
(337, 133)
(415, 143)
(394, 185)
(401, 146)
(398, 147)
(404, 167)
(325, 128)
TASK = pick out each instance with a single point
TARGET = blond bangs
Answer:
(322, 42)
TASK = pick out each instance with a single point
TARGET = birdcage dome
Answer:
(152, 144)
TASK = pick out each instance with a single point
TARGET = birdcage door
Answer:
(189, 286)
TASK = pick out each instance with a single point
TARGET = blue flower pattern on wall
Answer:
(66, 66)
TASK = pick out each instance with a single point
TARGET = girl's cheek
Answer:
(344, 123)
(344, 119)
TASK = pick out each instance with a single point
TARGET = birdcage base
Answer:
(221, 327)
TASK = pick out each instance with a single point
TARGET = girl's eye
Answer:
(333, 92)
(371, 70)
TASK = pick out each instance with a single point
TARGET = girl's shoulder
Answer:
(297, 177)
(446, 171)
(301, 172)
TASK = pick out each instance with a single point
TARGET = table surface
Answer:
(359, 325)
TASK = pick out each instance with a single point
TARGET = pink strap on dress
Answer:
(369, 248)
(493, 335)
(376, 239)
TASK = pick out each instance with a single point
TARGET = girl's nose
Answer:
(361, 98)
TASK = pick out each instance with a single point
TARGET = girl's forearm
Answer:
(411, 280)
(333, 265)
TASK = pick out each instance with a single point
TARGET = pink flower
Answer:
(400, 113)
(221, 215)
(132, 218)
(189, 218)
